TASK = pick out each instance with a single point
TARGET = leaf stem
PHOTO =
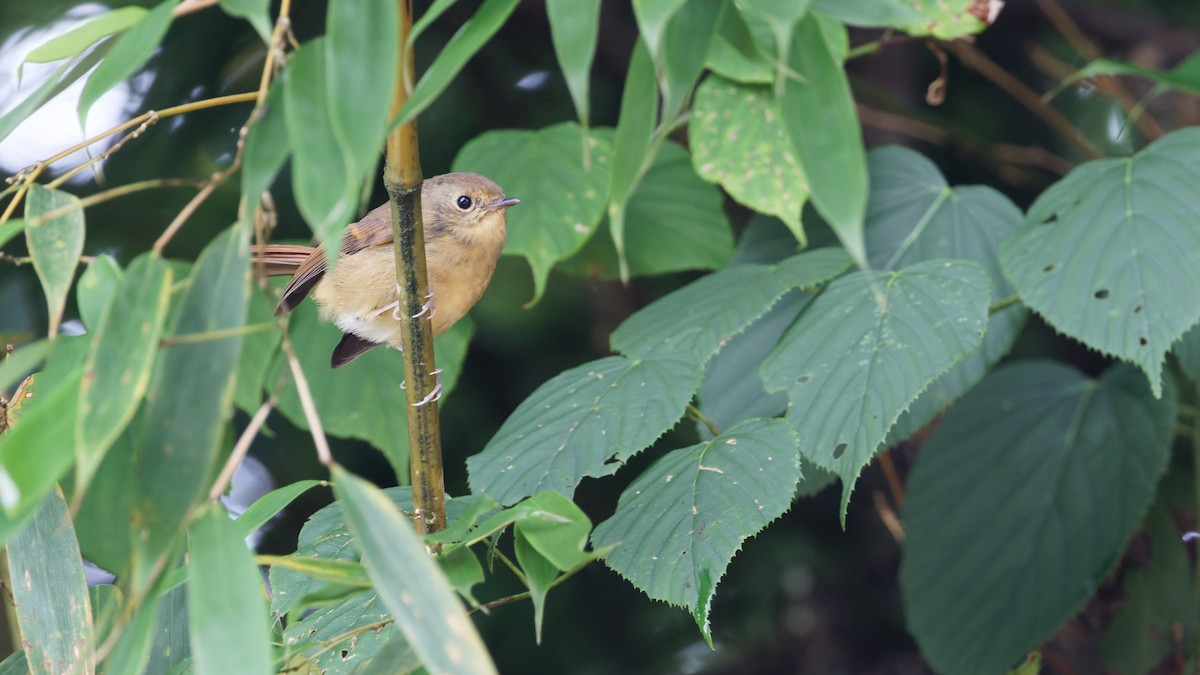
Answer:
(1004, 304)
(222, 334)
(700, 417)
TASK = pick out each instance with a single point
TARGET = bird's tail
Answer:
(277, 260)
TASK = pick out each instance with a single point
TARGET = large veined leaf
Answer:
(679, 524)
(914, 215)
(585, 422)
(698, 318)
(1110, 254)
(1038, 468)
(854, 360)
(189, 403)
(822, 124)
(50, 593)
(562, 201)
(738, 139)
(119, 361)
(54, 244)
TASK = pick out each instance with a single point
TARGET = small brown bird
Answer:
(463, 214)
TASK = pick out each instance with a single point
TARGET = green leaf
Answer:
(128, 54)
(257, 12)
(120, 361)
(1158, 599)
(332, 636)
(853, 362)
(1187, 350)
(870, 13)
(585, 422)
(1038, 468)
(15, 664)
(435, 9)
(131, 651)
(491, 15)
(679, 524)
(735, 55)
(258, 353)
(699, 318)
(556, 528)
(575, 27)
(36, 452)
(189, 404)
(326, 189)
(64, 76)
(424, 606)
(914, 215)
(9, 230)
(266, 147)
(540, 573)
(54, 244)
(685, 45)
(562, 202)
(73, 42)
(462, 570)
(96, 287)
(109, 500)
(674, 221)
(819, 115)
(50, 592)
(632, 152)
(1110, 253)
(1184, 77)
(652, 17)
(395, 655)
(227, 608)
(363, 54)
(269, 505)
(15, 366)
(338, 394)
(343, 572)
(738, 139)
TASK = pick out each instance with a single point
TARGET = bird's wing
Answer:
(375, 229)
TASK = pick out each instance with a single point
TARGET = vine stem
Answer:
(402, 178)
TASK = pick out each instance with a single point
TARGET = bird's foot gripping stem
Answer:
(435, 395)
(427, 307)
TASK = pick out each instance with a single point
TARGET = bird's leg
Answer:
(427, 307)
(434, 395)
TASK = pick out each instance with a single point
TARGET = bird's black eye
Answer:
(464, 202)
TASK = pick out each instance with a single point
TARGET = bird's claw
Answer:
(436, 394)
(427, 307)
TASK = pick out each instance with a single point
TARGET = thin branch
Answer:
(894, 482)
(306, 402)
(182, 217)
(977, 61)
(221, 334)
(240, 449)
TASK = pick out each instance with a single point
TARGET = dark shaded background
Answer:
(803, 597)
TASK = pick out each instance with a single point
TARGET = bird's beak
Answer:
(505, 203)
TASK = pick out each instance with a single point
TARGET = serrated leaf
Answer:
(96, 287)
(585, 422)
(393, 657)
(423, 605)
(55, 244)
(72, 43)
(343, 408)
(129, 53)
(362, 49)
(679, 524)
(575, 28)
(120, 361)
(325, 188)
(1039, 467)
(914, 215)
(738, 140)
(850, 366)
(1187, 350)
(226, 606)
(50, 593)
(327, 635)
(257, 12)
(454, 55)
(562, 202)
(1110, 253)
(189, 403)
(698, 318)
(266, 147)
(819, 115)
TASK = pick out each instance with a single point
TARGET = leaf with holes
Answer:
(679, 524)
(914, 215)
(1038, 468)
(850, 366)
(562, 201)
(585, 422)
(738, 140)
(1110, 254)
